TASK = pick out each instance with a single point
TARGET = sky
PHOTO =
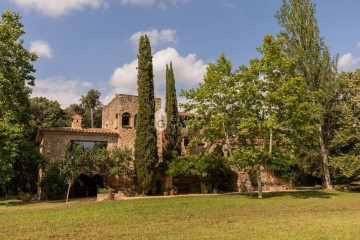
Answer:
(85, 44)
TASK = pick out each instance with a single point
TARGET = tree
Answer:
(75, 161)
(146, 152)
(172, 137)
(53, 183)
(209, 168)
(215, 101)
(46, 113)
(345, 146)
(91, 101)
(85, 112)
(15, 77)
(111, 164)
(315, 65)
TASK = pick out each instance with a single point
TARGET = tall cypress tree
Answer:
(146, 152)
(172, 144)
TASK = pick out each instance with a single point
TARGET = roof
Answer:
(76, 116)
(75, 131)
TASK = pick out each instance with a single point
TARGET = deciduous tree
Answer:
(15, 78)
(91, 101)
(75, 161)
(345, 146)
(314, 63)
(215, 101)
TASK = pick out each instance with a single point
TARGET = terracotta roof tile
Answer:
(79, 130)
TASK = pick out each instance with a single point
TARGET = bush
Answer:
(209, 168)
(53, 184)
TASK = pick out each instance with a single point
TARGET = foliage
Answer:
(345, 145)
(315, 65)
(75, 161)
(214, 100)
(53, 183)
(15, 70)
(172, 135)
(10, 134)
(146, 152)
(18, 155)
(83, 109)
(91, 101)
(46, 113)
(116, 162)
(209, 168)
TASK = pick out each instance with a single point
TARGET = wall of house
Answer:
(112, 116)
(53, 143)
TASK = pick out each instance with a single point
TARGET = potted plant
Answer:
(171, 190)
(105, 194)
(25, 197)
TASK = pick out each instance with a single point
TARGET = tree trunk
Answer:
(270, 143)
(258, 177)
(92, 117)
(68, 192)
(227, 140)
(325, 160)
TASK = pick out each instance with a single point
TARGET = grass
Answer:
(287, 215)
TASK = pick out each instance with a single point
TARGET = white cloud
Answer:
(163, 4)
(155, 36)
(42, 49)
(56, 8)
(86, 84)
(188, 71)
(65, 91)
(347, 61)
(358, 45)
(138, 2)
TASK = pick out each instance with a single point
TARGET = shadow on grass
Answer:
(17, 202)
(299, 194)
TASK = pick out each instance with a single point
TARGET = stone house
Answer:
(118, 131)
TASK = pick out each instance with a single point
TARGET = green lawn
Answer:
(292, 215)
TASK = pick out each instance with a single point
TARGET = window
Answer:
(91, 144)
(126, 120)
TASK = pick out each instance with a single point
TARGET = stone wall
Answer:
(53, 143)
(112, 116)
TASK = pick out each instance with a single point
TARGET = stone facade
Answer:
(120, 116)
(53, 140)
(119, 131)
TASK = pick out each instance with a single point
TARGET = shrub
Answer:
(209, 168)
(53, 184)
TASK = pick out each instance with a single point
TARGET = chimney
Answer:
(76, 121)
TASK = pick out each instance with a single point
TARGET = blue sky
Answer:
(86, 44)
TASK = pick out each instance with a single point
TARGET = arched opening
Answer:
(125, 121)
(86, 186)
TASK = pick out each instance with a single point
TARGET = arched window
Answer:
(126, 120)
